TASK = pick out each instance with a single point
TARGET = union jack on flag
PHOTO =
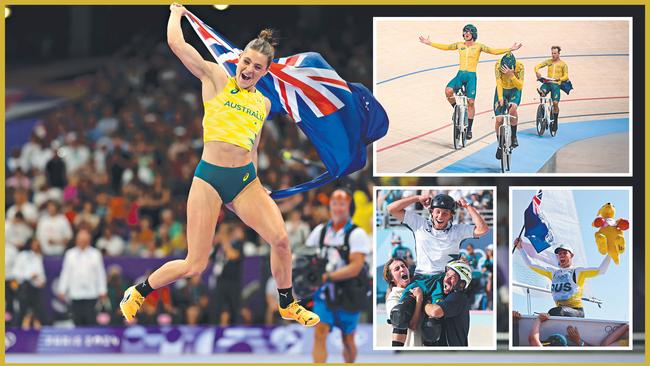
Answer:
(537, 200)
(339, 118)
(537, 227)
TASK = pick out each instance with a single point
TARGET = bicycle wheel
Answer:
(464, 129)
(508, 158)
(457, 131)
(502, 144)
(539, 121)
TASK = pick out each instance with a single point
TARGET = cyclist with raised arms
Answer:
(469, 52)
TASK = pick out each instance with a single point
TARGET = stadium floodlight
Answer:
(221, 7)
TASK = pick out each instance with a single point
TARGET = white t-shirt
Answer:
(56, 228)
(83, 276)
(435, 248)
(359, 243)
(29, 267)
(17, 234)
(413, 337)
(29, 211)
(114, 245)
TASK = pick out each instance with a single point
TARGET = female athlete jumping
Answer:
(227, 173)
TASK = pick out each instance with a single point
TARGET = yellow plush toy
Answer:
(609, 237)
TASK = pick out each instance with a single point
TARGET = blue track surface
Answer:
(534, 151)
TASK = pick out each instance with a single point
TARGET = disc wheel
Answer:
(540, 121)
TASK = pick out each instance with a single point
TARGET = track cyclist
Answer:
(558, 71)
(510, 81)
(469, 52)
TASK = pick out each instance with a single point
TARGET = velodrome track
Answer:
(410, 78)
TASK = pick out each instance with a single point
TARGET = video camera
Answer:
(307, 274)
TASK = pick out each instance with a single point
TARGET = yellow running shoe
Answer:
(130, 303)
(298, 313)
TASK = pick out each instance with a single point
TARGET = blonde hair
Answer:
(265, 44)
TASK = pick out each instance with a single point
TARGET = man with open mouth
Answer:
(437, 242)
(396, 274)
(567, 280)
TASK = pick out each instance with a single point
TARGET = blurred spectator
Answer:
(53, 230)
(271, 315)
(298, 231)
(17, 231)
(22, 205)
(46, 193)
(486, 278)
(74, 153)
(472, 256)
(145, 238)
(402, 252)
(69, 211)
(363, 207)
(83, 279)
(29, 273)
(34, 154)
(87, 217)
(13, 162)
(227, 273)
(10, 284)
(157, 303)
(171, 233)
(154, 200)
(115, 288)
(18, 181)
(56, 172)
(192, 300)
(110, 244)
(71, 190)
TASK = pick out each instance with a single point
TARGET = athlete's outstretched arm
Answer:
(500, 51)
(440, 46)
(481, 227)
(544, 271)
(396, 208)
(183, 50)
(583, 273)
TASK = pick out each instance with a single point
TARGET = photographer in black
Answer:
(343, 295)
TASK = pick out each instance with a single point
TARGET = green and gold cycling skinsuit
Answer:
(556, 70)
(468, 56)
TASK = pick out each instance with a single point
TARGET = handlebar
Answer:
(504, 115)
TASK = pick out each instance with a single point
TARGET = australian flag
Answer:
(537, 228)
(339, 118)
